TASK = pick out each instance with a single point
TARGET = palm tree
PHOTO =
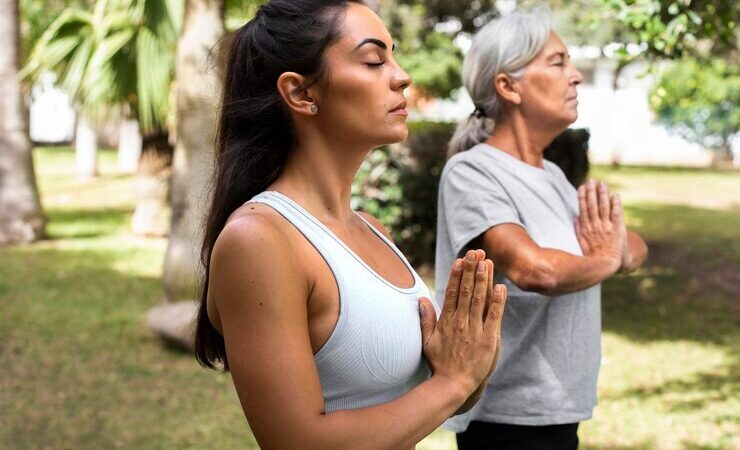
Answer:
(198, 86)
(21, 219)
(117, 61)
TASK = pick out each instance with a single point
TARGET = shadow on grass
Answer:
(87, 223)
(688, 287)
(688, 290)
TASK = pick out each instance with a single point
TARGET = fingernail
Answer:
(481, 266)
(458, 263)
(470, 257)
(497, 289)
(421, 309)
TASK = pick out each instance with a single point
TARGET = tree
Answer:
(700, 100)
(673, 29)
(21, 219)
(118, 62)
(198, 87)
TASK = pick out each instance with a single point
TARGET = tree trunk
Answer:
(21, 218)
(129, 146)
(198, 90)
(152, 186)
(86, 149)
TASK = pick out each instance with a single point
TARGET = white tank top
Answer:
(374, 354)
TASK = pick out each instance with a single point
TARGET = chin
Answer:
(398, 134)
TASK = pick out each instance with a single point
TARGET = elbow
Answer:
(541, 279)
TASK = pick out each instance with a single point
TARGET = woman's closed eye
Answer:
(375, 64)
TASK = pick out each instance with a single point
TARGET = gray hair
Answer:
(504, 45)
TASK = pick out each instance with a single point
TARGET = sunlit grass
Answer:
(80, 370)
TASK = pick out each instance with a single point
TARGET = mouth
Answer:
(400, 109)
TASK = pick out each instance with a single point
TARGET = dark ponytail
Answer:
(255, 133)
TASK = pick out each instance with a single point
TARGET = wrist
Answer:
(610, 264)
(458, 388)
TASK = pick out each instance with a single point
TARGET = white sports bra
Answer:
(374, 354)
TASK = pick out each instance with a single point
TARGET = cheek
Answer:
(354, 96)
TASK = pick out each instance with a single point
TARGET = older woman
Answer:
(552, 245)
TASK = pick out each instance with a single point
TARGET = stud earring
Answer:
(314, 108)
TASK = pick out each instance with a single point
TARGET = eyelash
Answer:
(375, 64)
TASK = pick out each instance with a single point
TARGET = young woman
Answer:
(499, 193)
(309, 304)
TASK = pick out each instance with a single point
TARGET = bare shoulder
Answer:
(251, 230)
(252, 254)
(376, 224)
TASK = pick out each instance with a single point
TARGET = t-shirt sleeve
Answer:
(473, 201)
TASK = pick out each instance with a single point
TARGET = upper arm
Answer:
(261, 297)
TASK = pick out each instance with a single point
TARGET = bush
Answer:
(398, 183)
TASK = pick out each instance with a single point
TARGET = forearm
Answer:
(556, 272)
(398, 424)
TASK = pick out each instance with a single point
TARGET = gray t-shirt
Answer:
(550, 346)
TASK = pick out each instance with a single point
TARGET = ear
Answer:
(507, 88)
(295, 95)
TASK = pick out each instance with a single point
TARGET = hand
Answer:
(600, 226)
(463, 345)
(627, 260)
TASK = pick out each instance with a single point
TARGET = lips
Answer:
(399, 109)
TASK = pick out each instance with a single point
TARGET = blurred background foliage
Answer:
(700, 99)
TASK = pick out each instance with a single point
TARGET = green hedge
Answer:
(398, 183)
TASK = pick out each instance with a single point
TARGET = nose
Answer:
(400, 79)
(576, 76)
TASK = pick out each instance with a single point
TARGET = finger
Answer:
(617, 214)
(478, 300)
(592, 203)
(604, 203)
(582, 206)
(582, 241)
(467, 284)
(489, 288)
(481, 254)
(492, 325)
(428, 319)
(453, 288)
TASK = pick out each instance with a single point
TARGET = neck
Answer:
(319, 174)
(521, 139)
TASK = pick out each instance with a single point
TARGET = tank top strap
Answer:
(330, 248)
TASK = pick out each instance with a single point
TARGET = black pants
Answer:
(497, 436)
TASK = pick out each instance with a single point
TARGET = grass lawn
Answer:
(80, 371)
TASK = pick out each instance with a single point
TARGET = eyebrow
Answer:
(374, 41)
(558, 54)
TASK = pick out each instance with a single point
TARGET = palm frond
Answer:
(153, 79)
(75, 71)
